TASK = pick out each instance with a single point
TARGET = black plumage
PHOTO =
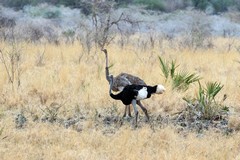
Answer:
(133, 93)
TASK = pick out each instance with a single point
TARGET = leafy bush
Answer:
(200, 4)
(69, 35)
(19, 4)
(180, 80)
(86, 8)
(71, 3)
(164, 5)
(45, 11)
(152, 4)
(218, 5)
(52, 14)
(237, 4)
(221, 5)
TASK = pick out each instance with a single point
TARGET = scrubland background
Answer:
(54, 101)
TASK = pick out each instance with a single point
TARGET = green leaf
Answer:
(164, 67)
(213, 88)
(173, 68)
(191, 78)
(111, 65)
(182, 80)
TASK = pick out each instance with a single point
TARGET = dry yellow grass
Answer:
(81, 87)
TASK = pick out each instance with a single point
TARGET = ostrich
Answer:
(133, 93)
(122, 80)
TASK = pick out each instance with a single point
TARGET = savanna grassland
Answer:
(63, 95)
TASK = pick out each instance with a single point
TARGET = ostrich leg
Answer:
(127, 109)
(135, 111)
(143, 109)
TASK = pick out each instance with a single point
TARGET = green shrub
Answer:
(200, 4)
(19, 4)
(218, 5)
(123, 3)
(52, 14)
(221, 5)
(69, 35)
(45, 11)
(70, 3)
(237, 4)
(152, 4)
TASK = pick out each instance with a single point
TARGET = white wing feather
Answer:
(142, 94)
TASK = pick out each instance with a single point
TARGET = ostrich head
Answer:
(104, 50)
(160, 89)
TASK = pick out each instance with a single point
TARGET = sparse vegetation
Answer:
(12, 60)
(44, 11)
(152, 4)
(218, 5)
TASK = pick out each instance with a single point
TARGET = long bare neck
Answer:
(106, 69)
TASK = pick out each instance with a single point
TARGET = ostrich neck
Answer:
(106, 69)
(106, 55)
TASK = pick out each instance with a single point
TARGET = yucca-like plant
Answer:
(212, 89)
(207, 104)
(205, 101)
(168, 69)
(173, 68)
(180, 80)
(164, 67)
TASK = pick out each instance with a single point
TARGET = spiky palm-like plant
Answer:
(205, 101)
(206, 98)
(180, 80)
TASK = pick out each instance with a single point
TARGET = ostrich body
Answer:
(122, 80)
(133, 93)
